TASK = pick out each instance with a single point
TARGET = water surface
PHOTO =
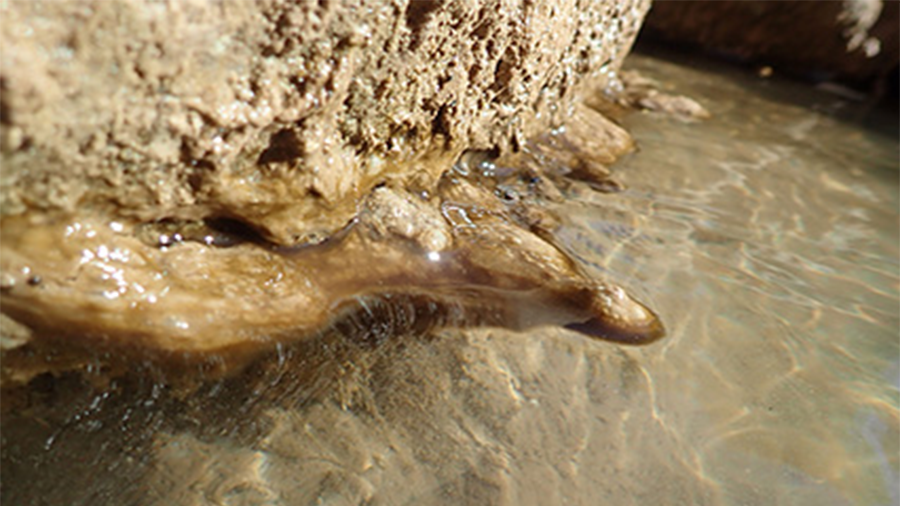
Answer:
(768, 239)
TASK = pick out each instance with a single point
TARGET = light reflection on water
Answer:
(767, 239)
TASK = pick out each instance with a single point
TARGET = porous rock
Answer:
(280, 114)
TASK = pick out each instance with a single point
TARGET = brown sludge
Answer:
(462, 257)
(311, 190)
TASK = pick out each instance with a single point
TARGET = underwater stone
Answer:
(855, 41)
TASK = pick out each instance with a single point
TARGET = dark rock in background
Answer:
(855, 42)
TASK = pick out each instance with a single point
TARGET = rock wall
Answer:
(857, 41)
(279, 114)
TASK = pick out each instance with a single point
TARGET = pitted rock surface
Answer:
(280, 114)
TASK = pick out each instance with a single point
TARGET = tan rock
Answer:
(280, 114)
(192, 184)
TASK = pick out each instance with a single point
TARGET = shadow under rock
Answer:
(483, 417)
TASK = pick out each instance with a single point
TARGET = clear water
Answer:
(767, 238)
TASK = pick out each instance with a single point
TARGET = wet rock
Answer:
(389, 212)
(644, 94)
(187, 186)
(407, 266)
(282, 115)
(857, 41)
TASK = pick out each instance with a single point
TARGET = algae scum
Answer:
(765, 238)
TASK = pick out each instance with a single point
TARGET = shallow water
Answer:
(767, 239)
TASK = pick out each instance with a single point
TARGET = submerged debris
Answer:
(643, 93)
